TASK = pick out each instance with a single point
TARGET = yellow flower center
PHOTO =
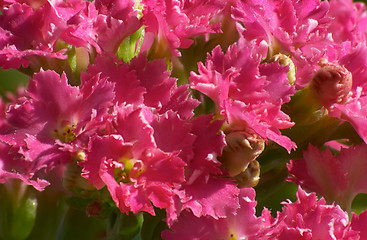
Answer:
(132, 168)
(66, 134)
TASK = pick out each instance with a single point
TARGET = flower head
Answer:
(241, 225)
(247, 94)
(309, 218)
(338, 178)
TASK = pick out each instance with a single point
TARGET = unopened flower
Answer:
(332, 84)
(250, 177)
(241, 149)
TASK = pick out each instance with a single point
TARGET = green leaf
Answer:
(153, 225)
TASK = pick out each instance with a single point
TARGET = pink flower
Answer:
(247, 94)
(93, 30)
(240, 225)
(338, 178)
(172, 23)
(47, 126)
(349, 21)
(358, 223)
(207, 191)
(137, 174)
(309, 218)
(145, 82)
(293, 28)
(26, 32)
(57, 30)
(15, 166)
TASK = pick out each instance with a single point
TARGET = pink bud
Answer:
(332, 84)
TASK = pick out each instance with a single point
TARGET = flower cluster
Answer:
(151, 106)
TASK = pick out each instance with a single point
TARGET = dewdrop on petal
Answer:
(242, 148)
(331, 84)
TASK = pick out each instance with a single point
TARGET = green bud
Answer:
(286, 61)
(17, 210)
(130, 47)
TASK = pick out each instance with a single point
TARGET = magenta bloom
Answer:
(247, 94)
(137, 177)
(309, 218)
(93, 30)
(358, 223)
(47, 126)
(172, 23)
(349, 21)
(15, 166)
(338, 178)
(35, 33)
(241, 225)
(26, 32)
(296, 29)
(151, 112)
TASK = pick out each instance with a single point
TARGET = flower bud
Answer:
(74, 182)
(332, 84)
(242, 148)
(18, 209)
(250, 177)
(286, 61)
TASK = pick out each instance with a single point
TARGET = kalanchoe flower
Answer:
(15, 166)
(145, 82)
(358, 223)
(241, 225)
(26, 33)
(74, 31)
(172, 23)
(207, 191)
(309, 218)
(338, 178)
(46, 126)
(92, 30)
(349, 21)
(134, 180)
(137, 174)
(247, 94)
(162, 116)
(293, 28)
